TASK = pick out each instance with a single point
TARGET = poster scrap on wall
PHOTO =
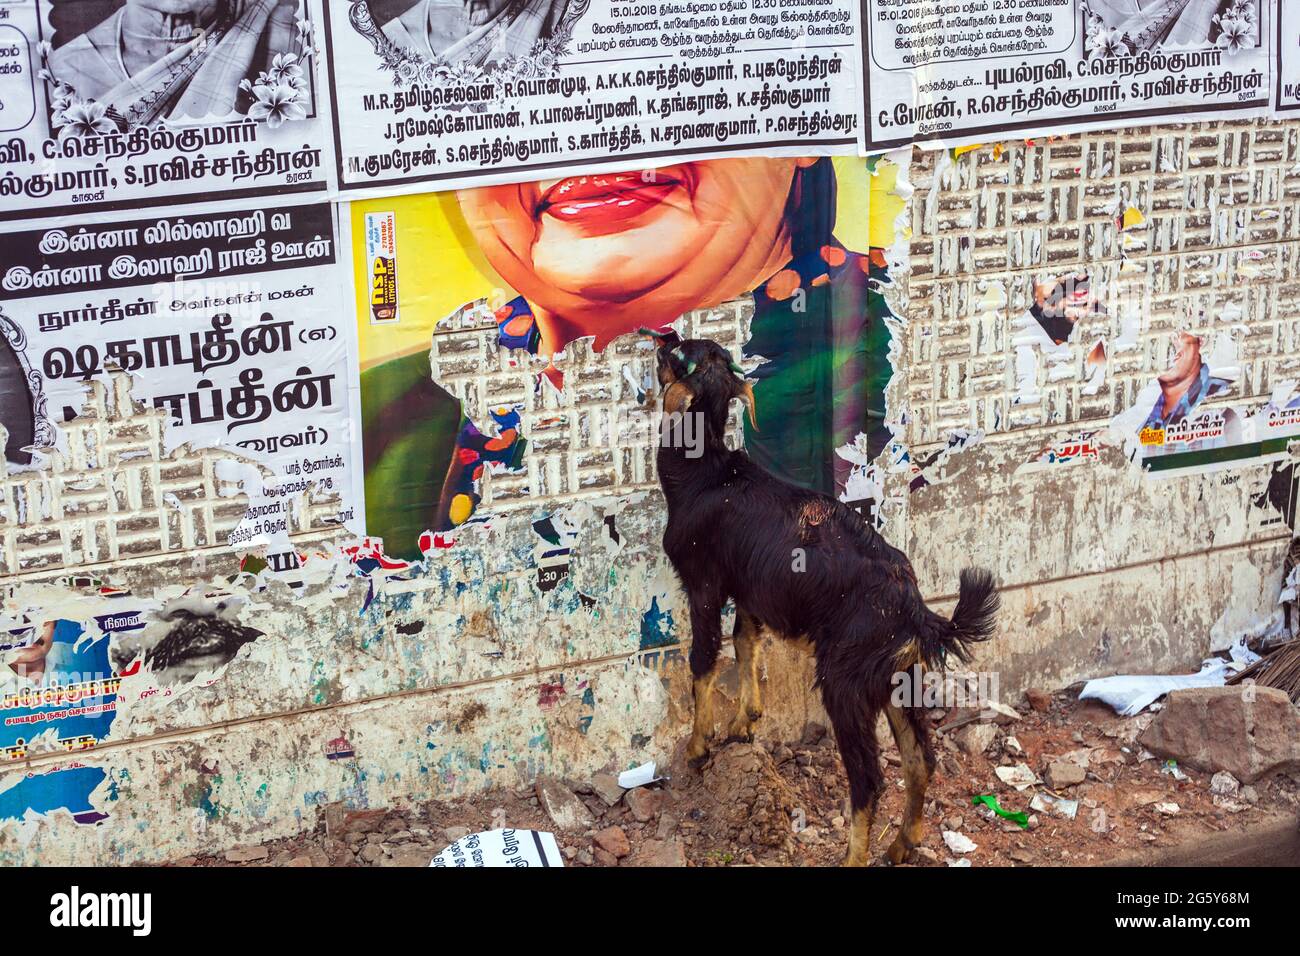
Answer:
(947, 72)
(428, 99)
(1174, 427)
(123, 104)
(227, 321)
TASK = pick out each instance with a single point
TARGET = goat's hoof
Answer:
(697, 763)
(740, 738)
(755, 714)
(898, 851)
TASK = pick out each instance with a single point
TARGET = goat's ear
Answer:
(677, 398)
(747, 396)
(664, 371)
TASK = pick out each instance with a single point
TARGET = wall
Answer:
(384, 683)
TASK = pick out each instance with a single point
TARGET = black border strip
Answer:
(1277, 69)
(541, 850)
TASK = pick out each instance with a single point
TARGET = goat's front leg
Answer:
(706, 638)
(749, 708)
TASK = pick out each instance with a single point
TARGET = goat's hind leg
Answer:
(854, 720)
(749, 707)
(917, 755)
(706, 638)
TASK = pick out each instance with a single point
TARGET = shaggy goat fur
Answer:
(799, 564)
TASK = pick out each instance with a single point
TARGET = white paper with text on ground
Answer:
(502, 848)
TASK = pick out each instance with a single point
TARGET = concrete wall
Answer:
(462, 673)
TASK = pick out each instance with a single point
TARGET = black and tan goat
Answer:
(800, 565)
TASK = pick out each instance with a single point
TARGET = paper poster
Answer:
(124, 104)
(501, 346)
(428, 98)
(227, 321)
(1185, 422)
(502, 848)
(953, 72)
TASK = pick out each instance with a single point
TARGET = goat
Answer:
(799, 564)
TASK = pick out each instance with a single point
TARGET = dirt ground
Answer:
(785, 804)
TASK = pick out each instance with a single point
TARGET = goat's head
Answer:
(700, 374)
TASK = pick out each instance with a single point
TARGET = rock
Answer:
(1021, 855)
(1144, 798)
(644, 803)
(1012, 746)
(1064, 773)
(974, 739)
(959, 842)
(925, 855)
(364, 821)
(455, 833)
(998, 713)
(667, 826)
(605, 786)
(1019, 776)
(747, 795)
(613, 841)
(1250, 794)
(407, 855)
(659, 853)
(1224, 784)
(247, 854)
(604, 857)
(808, 836)
(813, 732)
(585, 857)
(562, 805)
(1167, 808)
(570, 852)
(1039, 700)
(1247, 730)
(334, 815)
(371, 852)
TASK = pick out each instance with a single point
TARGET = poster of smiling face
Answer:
(120, 104)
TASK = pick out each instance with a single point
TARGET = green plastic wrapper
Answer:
(1020, 819)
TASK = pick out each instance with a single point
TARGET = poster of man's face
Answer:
(116, 64)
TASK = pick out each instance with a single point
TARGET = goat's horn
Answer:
(644, 331)
(747, 396)
(735, 367)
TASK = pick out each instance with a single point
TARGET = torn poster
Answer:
(502, 848)
(227, 321)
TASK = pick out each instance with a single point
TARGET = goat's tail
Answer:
(973, 621)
